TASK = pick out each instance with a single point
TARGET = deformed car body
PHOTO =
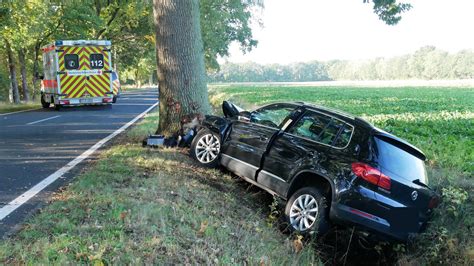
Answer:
(329, 166)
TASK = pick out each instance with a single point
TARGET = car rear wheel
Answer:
(206, 148)
(44, 104)
(306, 211)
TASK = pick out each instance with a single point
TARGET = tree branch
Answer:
(111, 19)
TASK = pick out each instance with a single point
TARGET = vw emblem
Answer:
(414, 195)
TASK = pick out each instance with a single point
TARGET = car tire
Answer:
(114, 99)
(313, 217)
(206, 148)
(57, 107)
(44, 104)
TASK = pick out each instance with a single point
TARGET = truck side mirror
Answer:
(38, 76)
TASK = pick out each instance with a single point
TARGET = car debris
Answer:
(181, 139)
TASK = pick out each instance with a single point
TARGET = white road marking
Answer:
(16, 112)
(23, 198)
(46, 119)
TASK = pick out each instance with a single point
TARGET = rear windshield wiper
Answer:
(418, 182)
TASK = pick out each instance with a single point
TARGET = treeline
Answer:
(427, 63)
(26, 26)
(253, 72)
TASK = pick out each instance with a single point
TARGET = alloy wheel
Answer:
(303, 212)
(207, 148)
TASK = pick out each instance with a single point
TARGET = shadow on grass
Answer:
(342, 245)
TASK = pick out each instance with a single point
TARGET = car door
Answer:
(249, 138)
(313, 143)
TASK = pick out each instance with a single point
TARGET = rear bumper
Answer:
(81, 101)
(347, 215)
(390, 219)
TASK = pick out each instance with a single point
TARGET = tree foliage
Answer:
(389, 11)
(226, 21)
(426, 63)
(31, 24)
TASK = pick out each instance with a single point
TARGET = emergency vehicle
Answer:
(116, 86)
(76, 73)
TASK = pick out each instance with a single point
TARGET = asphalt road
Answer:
(35, 144)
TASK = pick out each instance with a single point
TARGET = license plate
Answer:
(85, 100)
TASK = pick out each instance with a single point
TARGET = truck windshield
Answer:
(400, 162)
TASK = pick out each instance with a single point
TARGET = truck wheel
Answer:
(306, 211)
(206, 148)
(44, 103)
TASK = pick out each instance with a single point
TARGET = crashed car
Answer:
(330, 167)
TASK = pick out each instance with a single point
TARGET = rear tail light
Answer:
(107, 100)
(64, 102)
(371, 175)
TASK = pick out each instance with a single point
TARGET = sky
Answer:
(305, 30)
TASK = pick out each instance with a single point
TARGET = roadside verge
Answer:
(137, 205)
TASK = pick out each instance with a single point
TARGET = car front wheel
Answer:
(306, 211)
(206, 147)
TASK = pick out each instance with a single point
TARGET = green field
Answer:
(437, 120)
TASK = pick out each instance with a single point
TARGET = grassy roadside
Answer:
(8, 107)
(130, 88)
(138, 205)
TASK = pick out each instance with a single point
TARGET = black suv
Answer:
(327, 165)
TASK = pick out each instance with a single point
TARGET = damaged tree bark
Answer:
(180, 60)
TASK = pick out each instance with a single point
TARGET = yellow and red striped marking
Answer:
(116, 85)
(77, 86)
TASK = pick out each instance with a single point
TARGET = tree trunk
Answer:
(24, 84)
(180, 61)
(11, 65)
(137, 81)
(35, 70)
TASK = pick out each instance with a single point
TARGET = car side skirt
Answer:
(273, 182)
(237, 166)
(244, 170)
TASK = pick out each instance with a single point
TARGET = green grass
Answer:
(437, 120)
(8, 107)
(138, 205)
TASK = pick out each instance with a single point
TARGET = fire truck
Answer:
(78, 72)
